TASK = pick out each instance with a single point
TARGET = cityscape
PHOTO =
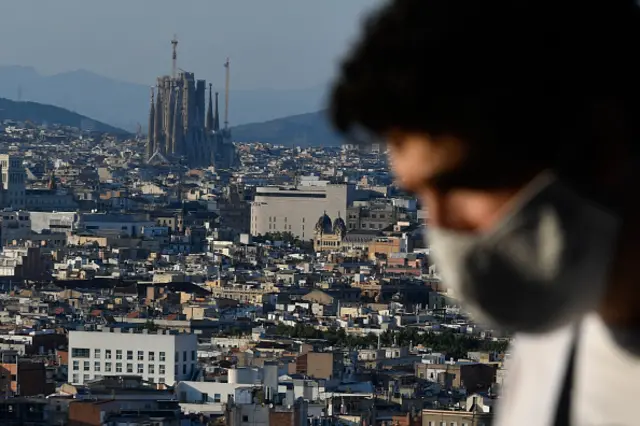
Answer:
(178, 275)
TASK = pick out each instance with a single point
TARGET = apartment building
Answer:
(160, 357)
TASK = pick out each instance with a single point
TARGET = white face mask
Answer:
(545, 264)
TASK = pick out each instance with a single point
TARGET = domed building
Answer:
(339, 227)
(323, 226)
(329, 236)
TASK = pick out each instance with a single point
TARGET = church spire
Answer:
(151, 148)
(158, 133)
(216, 118)
(209, 119)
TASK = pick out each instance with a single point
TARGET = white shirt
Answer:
(606, 380)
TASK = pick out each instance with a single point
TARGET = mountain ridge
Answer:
(125, 105)
(309, 129)
(40, 113)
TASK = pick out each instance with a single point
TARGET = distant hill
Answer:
(41, 113)
(304, 130)
(126, 105)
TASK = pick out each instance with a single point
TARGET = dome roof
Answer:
(324, 224)
(339, 226)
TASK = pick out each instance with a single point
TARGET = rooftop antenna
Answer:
(227, 65)
(174, 57)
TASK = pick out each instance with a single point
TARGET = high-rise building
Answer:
(181, 129)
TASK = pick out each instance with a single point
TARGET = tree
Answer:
(150, 325)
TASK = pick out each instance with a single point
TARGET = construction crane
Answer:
(227, 65)
(174, 57)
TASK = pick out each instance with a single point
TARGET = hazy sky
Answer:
(272, 43)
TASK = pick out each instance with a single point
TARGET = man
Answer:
(517, 124)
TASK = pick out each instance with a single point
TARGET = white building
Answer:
(53, 221)
(130, 225)
(161, 357)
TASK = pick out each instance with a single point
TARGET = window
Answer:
(140, 368)
(96, 366)
(152, 356)
(245, 418)
(140, 355)
(75, 378)
(96, 353)
(160, 379)
(107, 354)
(86, 366)
(184, 356)
(118, 367)
(151, 368)
(193, 355)
(216, 397)
(76, 365)
(161, 369)
(205, 397)
(184, 368)
(129, 368)
(118, 354)
(129, 355)
(86, 377)
(107, 367)
(80, 353)
(162, 356)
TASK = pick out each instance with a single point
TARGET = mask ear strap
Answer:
(563, 410)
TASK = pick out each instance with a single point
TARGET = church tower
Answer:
(209, 120)
(151, 148)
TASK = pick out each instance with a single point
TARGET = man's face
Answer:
(436, 170)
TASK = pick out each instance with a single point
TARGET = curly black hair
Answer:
(509, 77)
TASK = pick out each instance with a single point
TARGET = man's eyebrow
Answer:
(443, 179)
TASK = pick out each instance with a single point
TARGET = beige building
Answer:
(15, 225)
(455, 418)
(471, 376)
(248, 293)
(296, 210)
